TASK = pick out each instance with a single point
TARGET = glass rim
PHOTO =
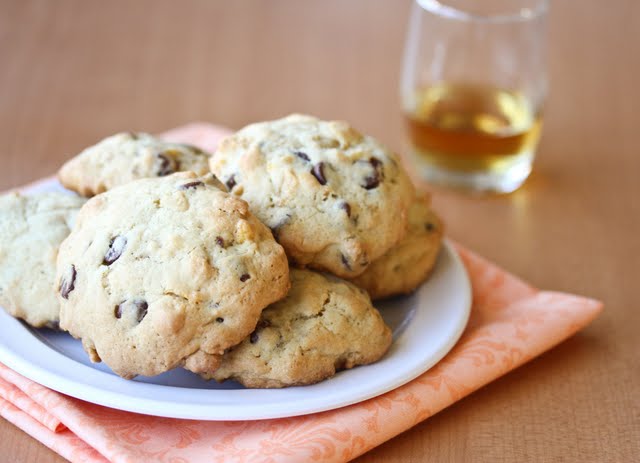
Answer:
(523, 14)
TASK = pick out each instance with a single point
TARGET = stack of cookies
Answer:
(256, 264)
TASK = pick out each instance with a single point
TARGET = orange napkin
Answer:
(511, 323)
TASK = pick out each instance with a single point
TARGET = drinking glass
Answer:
(473, 86)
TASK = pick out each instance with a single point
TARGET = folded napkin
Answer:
(511, 323)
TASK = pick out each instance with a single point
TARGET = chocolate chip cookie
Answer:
(166, 272)
(403, 268)
(31, 230)
(335, 199)
(323, 325)
(129, 156)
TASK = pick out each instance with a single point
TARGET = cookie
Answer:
(31, 230)
(166, 272)
(335, 199)
(325, 324)
(403, 268)
(129, 156)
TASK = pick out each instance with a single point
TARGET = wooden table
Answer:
(74, 71)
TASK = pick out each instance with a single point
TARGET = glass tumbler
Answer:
(473, 86)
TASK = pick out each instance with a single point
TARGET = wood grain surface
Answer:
(74, 71)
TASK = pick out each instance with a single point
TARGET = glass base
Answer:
(504, 178)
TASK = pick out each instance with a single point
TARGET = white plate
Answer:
(425, 326)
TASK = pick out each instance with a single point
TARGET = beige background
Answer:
(74, 71)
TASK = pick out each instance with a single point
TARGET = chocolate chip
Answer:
(318, 172)
(220, 241)
(429, 226)
(116, 248)
(219, 319)
(165, 165)
(139, 306)
(189, 185)
(244, 277)
(68, 284)
(231, 182)
(345, 262)
(373, 180)
(302, 156)
(347, 208)
(142, 307)
(261, 324)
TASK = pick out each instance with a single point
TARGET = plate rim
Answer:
(90, 392)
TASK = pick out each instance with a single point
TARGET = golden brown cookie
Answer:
(335, 199)
(129, 156)
(31, 230)
(324, 325)
(166, 272)
(407, 265)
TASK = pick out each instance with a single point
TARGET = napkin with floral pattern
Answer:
(511, 323)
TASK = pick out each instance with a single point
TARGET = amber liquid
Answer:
(468, 128)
